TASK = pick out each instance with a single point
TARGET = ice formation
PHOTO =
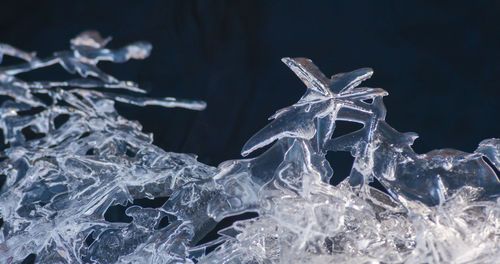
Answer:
(70, 156)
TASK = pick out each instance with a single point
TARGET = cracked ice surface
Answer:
(443, 206)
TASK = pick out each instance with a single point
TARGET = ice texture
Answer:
(440, 207)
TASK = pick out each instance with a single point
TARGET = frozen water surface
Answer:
(70, 156)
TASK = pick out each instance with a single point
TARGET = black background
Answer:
(438, 60)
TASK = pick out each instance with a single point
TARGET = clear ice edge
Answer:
(67, 160)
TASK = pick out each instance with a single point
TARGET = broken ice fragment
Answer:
(59, 186)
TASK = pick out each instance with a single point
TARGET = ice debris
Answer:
(69, 159)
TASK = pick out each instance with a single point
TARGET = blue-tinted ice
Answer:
(444, 206)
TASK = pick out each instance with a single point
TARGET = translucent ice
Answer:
(69, 159)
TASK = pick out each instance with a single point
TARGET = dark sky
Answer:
(438, 60)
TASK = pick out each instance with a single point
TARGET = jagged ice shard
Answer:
(442, 207)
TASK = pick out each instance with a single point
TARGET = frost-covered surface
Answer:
(443, 206)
